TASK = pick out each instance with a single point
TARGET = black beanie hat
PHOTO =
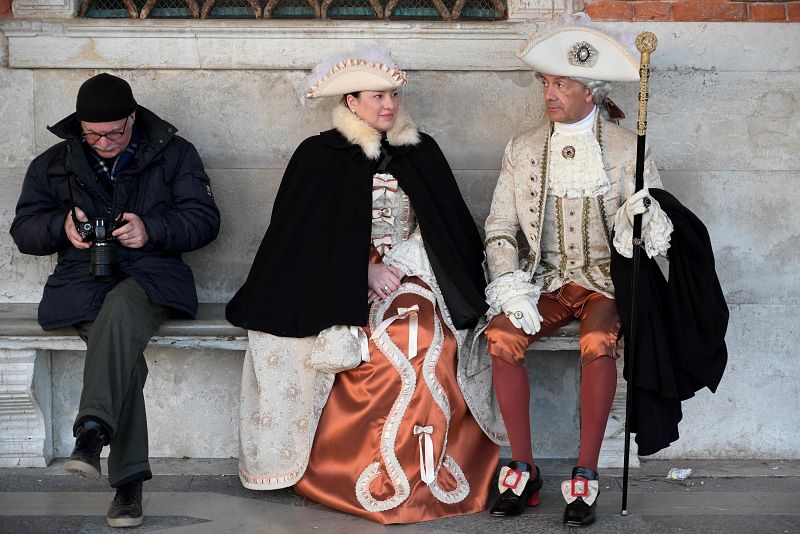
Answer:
(104, 98)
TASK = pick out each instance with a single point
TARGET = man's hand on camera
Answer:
(133, 234)
(72, 232)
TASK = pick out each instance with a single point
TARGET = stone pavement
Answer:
(205, 497)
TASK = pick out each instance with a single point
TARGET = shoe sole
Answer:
(122, 522)
(76, 467)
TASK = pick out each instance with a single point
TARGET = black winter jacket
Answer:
(165, 185)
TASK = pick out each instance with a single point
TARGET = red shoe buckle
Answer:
(580, 487)
(512, 478)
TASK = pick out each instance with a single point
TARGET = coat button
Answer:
(572, 213)
(571, 228)
(160, 141)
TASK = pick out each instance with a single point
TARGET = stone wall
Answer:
(724, 124)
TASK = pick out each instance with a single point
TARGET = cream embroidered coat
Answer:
(518, 206)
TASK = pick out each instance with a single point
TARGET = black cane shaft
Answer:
(646, 42)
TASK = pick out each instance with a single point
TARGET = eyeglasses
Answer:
(94, 137)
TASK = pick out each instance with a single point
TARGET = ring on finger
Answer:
(386, 289)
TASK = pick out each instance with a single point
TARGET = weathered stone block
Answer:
(754, 411)
(16, 113)
(757, 252)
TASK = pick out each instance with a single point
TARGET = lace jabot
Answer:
(576, 166)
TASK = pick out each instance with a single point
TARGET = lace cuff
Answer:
(507, 286)
(655, 236)
(410, 257)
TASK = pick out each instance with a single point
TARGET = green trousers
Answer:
(114, 374)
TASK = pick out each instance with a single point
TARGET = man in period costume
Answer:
(118, 199)
(566, 189)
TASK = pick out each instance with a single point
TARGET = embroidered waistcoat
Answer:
(567, 239)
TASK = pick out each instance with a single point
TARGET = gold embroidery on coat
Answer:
(585, 235)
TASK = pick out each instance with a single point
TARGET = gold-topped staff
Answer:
(646, 43)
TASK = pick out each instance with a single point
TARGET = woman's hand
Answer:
(382, 280)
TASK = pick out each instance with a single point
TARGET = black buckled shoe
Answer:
(517, 489)
(581, 496)
(85, 457)
(126, 508)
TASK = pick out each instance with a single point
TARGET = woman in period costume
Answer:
(358, 303)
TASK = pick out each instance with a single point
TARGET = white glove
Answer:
(522, 313)
(639, 202)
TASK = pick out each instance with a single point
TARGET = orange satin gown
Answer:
(353, 427)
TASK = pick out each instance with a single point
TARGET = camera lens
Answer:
(103, 257)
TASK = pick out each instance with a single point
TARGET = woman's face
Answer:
(376, 108)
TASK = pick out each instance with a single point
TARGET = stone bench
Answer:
(26, 388)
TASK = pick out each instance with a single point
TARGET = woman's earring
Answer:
(352, 111)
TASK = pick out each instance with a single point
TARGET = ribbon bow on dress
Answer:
(413, 328)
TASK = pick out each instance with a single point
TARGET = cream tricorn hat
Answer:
(370, 68)
(580, 52)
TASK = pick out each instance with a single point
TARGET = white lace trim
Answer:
(397, 412)
(508, 286)
(408, 384)
(462, 485)
(410, 257)
(655, 236)
(583, 174)
(439, 396)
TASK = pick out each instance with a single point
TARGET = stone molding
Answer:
(45, 8)
(298, 45)
(25, 408)
(235, 44)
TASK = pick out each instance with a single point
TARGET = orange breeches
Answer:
(600, 325)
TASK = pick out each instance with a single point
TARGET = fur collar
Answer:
(358, 132)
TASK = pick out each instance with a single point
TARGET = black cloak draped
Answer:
(680, 329)
(310, 271)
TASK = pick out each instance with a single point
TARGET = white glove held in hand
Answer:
(522, 313)
(639, 202)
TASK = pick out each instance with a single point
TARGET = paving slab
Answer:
(205, 496)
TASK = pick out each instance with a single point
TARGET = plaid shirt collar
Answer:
(105, 176)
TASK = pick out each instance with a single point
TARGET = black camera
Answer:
(103, 249)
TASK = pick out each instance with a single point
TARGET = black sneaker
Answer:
(126, 508)
(85, 457)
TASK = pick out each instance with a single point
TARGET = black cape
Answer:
(680, 330)
(310, 271)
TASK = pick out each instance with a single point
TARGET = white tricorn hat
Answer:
(580, 52)
(370, 68)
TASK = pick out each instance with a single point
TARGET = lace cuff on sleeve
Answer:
(507, 286)
(655, 236)
(410, 257)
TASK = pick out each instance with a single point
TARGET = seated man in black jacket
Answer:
(119, 200)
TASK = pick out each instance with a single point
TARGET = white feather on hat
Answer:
(580, 50)
(369, 68)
